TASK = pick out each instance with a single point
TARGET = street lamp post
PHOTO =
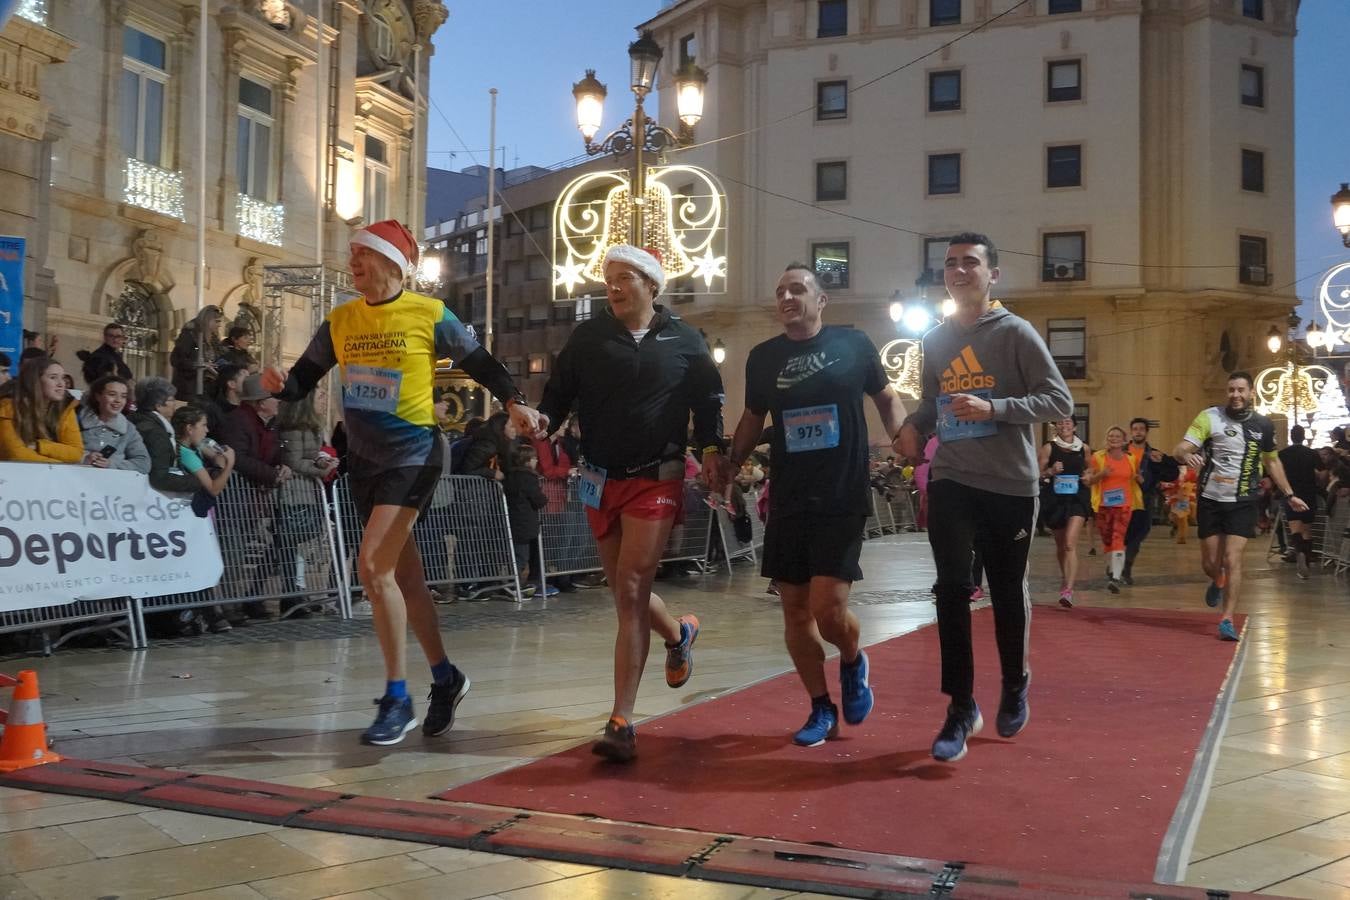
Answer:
(1340, 212)
(641, 133)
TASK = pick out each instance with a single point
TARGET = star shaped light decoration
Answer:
(709, 267)
(568, 275)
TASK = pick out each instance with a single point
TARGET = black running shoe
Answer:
(618, 743)
(442, 703)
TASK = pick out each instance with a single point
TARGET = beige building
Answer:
(1133, 161)
(101, 145)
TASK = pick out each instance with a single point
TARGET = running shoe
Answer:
(857, 700)
(1213, 594)
(1226, 631)
(821, 725)
(618, 743)
(680, 658)
(977, 595)
(442, 702)
(361, 609)
(1127, 579)
(394, 720)
(1066, 598)
(772, 589)
(1302, 569)
(1113, 586)
(950, 743)
(1013, 710)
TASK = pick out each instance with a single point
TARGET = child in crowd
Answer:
(524, 498)
(189, 433)
(1180, 496)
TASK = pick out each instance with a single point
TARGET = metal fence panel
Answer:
(464, 536)
(569, 546)
(91, 615)
(277, 543)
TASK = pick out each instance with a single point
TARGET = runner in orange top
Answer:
(1115, 495)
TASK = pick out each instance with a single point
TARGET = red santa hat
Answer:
(392, 240)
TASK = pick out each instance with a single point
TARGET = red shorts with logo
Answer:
(642, 498)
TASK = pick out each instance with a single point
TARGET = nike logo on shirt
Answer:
(667, 337)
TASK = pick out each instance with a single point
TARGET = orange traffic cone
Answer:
(23, 742)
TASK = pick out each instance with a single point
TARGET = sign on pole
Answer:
(11, 299)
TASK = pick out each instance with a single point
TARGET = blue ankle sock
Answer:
(396, 689)
(443, 671)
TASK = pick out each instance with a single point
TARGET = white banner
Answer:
(71, 532)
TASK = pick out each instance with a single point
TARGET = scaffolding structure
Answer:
(321, 288)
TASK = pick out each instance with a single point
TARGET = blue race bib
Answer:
(1066, 484)
(1181, 506)
(369, 388)
(591, 486)
(811, 428)
(1115, 497)
(951, 428)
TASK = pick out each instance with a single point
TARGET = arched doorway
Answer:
(137, 311)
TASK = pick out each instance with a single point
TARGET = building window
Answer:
(538, 364)
(944, 12)
(944, 91)
(563, 313)
(833, 18)
(831, 264)
(377, 182)
(254, 152)
(1064, 80)
(138, 314)
(1254, 9)
(539, 217)
(384, 38)
(1082, 419)
(537, 268)
(944, 173)
(832, 181)
(1253, 80)
(1253, 171)
(1055, 7)
(515, 321)
(935, 258)
(1064, 166)
(1067, 339)
(1063, 256)
(145, 79)
(688, 50)
(1252, 261)
(512, 366)
(831, 100)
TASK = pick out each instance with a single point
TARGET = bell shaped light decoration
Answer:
(590, 97)
(690, 82)
(645, 54)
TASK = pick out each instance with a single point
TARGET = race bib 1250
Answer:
(369, 388)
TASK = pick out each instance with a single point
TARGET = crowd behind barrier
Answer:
(299, 544)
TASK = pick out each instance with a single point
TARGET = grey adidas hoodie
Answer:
(1003, 354)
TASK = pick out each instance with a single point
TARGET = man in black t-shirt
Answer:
(813, 379)
(1301, 465)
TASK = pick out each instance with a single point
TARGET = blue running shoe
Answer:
(394, 720)
(857, 692)
(822, 725)
(1013, 711)
(1213, 595)
(1226, 631)
(950, 743)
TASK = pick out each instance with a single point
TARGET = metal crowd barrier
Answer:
(121, 615)
(1331, 537)
(276, 543)
(733, 548)
(464, 537)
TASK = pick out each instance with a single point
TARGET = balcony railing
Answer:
(259, 221)
(33, 10)
(153, 188)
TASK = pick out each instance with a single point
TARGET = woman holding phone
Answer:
(111, 440)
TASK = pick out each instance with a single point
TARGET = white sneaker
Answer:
(362, 609)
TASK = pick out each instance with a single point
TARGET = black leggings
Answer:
(963, 521)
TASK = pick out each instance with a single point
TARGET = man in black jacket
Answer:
(1154, 468)
(107, 359)
(635, 374)
(155, 405)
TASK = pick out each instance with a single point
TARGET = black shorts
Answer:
(1308, 515)
(798, 548)
(413, 486)
(1234, 518)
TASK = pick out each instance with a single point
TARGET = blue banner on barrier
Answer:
(11, 299)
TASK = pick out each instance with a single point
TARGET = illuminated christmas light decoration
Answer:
(1290, 390)
(683, 214)
(902, 359)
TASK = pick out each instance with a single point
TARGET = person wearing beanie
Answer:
(386, 346)
(634, 376)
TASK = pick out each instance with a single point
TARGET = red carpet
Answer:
(1120, 700)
